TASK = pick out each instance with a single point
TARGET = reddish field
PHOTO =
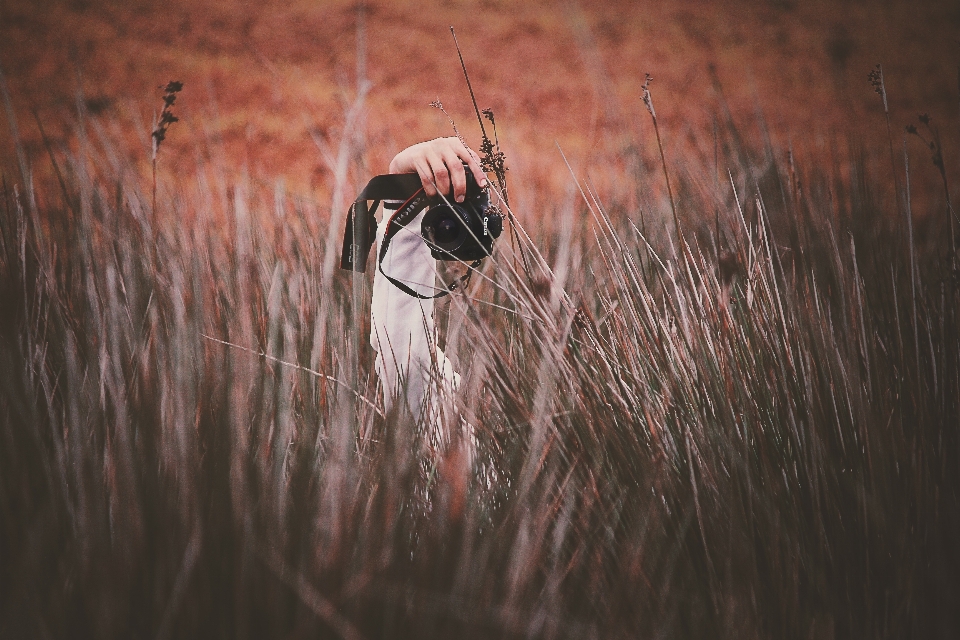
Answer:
(263, 80)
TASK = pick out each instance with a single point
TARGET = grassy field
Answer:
(727, 409)
(742, 426)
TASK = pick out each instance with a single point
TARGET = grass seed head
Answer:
(166, 118)
(436, 104)
(875, 78)
(647, 98)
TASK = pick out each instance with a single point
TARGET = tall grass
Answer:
(660, 447)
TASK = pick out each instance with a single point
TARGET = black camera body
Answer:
(453, 231)
(462, 231)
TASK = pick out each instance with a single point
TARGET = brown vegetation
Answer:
(730, 412)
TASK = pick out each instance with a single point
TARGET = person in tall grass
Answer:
(408, 360)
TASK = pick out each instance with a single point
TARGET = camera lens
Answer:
(446, 230)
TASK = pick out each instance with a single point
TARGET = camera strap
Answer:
(403, 216)
(361, 228)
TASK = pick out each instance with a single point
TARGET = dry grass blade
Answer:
(649, 439)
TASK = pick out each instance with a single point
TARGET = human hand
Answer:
(439, 163)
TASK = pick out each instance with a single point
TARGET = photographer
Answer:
(402, 330)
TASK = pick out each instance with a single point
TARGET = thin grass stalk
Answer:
(648, 101)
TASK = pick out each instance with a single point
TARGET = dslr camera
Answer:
(462, 231)
(453, 230)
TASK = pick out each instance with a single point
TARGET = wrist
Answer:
(401, 163)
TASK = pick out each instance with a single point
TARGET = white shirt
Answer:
(408, 362)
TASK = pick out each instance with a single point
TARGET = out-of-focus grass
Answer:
(662, 447)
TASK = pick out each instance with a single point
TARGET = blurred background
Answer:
(269, 85)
